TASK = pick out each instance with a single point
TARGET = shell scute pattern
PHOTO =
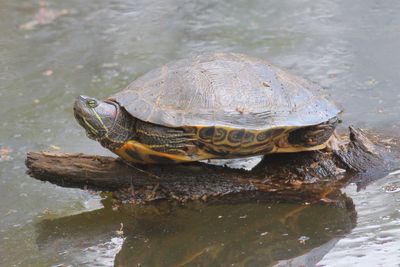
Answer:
(210, 89)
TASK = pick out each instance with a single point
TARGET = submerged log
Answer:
(307, 176)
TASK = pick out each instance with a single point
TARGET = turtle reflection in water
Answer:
(200, 234)
(221, 105)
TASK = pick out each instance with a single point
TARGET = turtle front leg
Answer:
(158, 144)
(136, 152)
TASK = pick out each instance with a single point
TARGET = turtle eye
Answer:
(91, 103)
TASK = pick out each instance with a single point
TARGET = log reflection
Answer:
(197, 234)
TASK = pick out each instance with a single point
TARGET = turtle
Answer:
(210, 106)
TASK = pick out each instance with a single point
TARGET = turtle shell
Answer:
(225, 90)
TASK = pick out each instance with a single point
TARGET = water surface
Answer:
(96, 48)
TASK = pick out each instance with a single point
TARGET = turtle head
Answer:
(97, 117)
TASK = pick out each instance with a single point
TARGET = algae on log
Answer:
(306, 176)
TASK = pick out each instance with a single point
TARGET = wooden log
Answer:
(307, 176)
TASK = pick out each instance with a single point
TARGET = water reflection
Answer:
(199, 235)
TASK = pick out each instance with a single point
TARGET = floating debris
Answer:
(120, 232)
(391, 188)
(11, 211)
(46, 211)
(371, 82)
(110, 65)
(5, 154)
(43, 16)
(303, 239)
(48, 72)
(240, 110)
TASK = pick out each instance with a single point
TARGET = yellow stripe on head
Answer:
(90, 126)
(100, 120)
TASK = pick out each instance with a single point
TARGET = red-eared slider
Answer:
(221, 105)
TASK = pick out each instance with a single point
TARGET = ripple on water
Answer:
(376, 239)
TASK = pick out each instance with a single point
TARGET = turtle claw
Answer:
(335, 143)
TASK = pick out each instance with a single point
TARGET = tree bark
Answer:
(307, 176)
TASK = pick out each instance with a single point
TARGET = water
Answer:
(96, 48)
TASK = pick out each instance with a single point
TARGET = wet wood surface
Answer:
(306, 176)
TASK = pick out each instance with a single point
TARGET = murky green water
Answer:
(97, 47)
